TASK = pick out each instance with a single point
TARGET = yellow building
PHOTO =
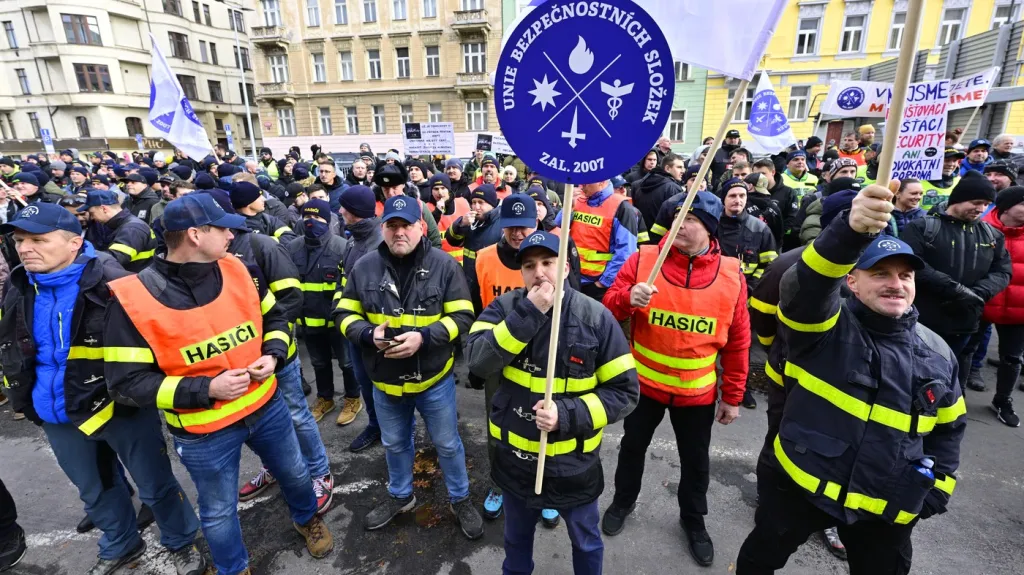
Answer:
(820, 41)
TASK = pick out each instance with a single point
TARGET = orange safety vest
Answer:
(857, 156)
(494, 278)
(675, 350)
(226, 333)
(379, 210)
(461, 209)
(592, 231)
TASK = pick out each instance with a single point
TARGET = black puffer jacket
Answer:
(654, 191)
(319, 264)
(141, 206)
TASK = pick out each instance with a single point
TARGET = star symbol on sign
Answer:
(762, 106)
(544, 93)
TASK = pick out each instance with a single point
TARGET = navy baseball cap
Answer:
(518, 211)
(538, 239)
(403, 207)
(887, 246)
(618, 182)
(95, 198)
(42, 218)
(197, 210)
(980, 143)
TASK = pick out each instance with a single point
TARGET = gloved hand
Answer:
(967, 296)
(934, 504)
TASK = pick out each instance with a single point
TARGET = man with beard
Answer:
(938, 191)
(268, 163)
(977, 157)
(851, 148)
(461, 186)
(659, 185)
(488, 172)
(721, 162)
(1001, 174)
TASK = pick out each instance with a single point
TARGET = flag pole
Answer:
(556, 316)
(904, 68)
(701, 174)
(971, 119)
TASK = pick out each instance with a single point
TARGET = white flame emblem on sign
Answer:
(518, 208)
(399, 204)
(29, 212)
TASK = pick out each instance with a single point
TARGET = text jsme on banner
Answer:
(919, 149)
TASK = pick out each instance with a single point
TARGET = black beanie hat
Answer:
(359, 201)
(813, 141)
(204, 181)
(1009, 197)
(973, 186)
(485, 192)
(294, 189)
(840, 184)
(243, 193)
(318, 208)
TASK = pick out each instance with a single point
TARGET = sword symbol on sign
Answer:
(572, 134)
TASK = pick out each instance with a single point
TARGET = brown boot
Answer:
(349, 411)
(321, 408)
(318, 538)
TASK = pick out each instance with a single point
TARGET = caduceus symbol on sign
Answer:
(616, 90)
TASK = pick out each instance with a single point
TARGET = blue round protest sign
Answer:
(584, 89)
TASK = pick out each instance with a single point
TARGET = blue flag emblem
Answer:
(766, 116)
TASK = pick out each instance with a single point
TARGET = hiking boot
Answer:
(145, 518)
(701, 547)
(85, 525)
(748, 400)
(18, 416)
(469, 519)
(388, 510)
(365, 439)
(323, 487)
(492, 504)
(974, 381)
(615, 519)
(3, 398)
(833, 544)
(318, 538)
(321, 408)
(108, 566)
(349, 411)
(188, 561)
(12, 549)
(1004, 412)
(550, 518)
(256, 485)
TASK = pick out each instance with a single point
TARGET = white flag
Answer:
(726, 37)
(170, 111)
(768, 122)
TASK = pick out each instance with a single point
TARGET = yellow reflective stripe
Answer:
(505, 340)
(468, 254)
(314, 322)
(706, 380)
(453, 330)
(165, 394)
(953, 412)
(337, 296)
(208, 416)
(458, 305)
(405, 320)
(829, 393)
(128, 354)
(352, 305)
(903, 518)
(799, 476)
(765, 341)
(267, 303)
(767, 257)
(656, 229)
(822, 327)
(82, 352)
(144, 255)
(594, 255)
(414, 386)
(596, 408)
(819, 264)
(554, 448)
(772, 374)
(947, 484)
(865, 502)
(643, 237)
(348, 321)
(832, 490)
(539, 384)
(589, 267)
(675, 362)
(276, 334)
(615, 368)
(127, 250)
(98, 420)
(344, 281)
(592, 443)
(280, 231)
(481, 326)
(763, 307)
(318, 287)
(285, 283)
(758, 273)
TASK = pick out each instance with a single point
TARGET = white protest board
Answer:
(856, 99)
(426, 138)
(500, 146)
(971, 91)
(922, 132)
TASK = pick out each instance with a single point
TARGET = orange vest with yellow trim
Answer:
(676, 338)
(461, 209)
(226, 333)
(591, 229)
(493, 277)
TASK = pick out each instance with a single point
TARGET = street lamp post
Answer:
(241, 72)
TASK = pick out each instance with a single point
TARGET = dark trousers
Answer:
(1011, 350)
(581, 523)
(983, 336)
(591, 290)
(8, 513)
(962, 346)
(365, 384)
(323, 346)
(692, 426)
(785, 518)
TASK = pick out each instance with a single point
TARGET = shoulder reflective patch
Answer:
(218, 344)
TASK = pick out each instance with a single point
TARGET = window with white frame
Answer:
(952, 25)
(402, 69)
(373, 64)
(1005, 15)
(325, 122)
(12, 40)
(398, 10)
(380, 125)
(345, 68)
(433, 60)
(746, 103)
(476, 115)
(351, 120)
(434, 112)
(341, 11)
(369, 11)
(23, 81)
(319, 68)
(430, 8)
(271, 12)
(405, 113)
(853, 34)
(278, 67)
(676, 129)
(682, 70)
(798, 98)
(472, 4)
(285, 122)
(474, 58)
(807, 36)
(312, 13)
(899, 22)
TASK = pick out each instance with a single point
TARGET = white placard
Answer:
(426, 138)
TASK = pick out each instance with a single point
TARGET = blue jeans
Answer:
(437, 406)
(580, 522)
(289, 381)
(365, 385)
(212, 461)
(138, 441)
(983, 336)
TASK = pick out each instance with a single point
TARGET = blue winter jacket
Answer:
(902, 219)
(51, 326)
(966, 166)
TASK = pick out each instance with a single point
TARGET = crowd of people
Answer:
(163, 288)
